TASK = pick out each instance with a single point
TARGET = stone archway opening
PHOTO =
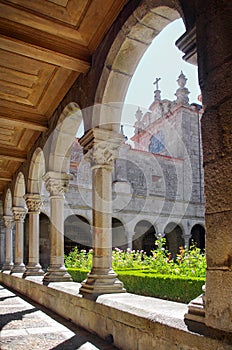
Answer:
(77, 233)
(119, 238)
(144, 237)
(44, 240)
(197, 237)
(174, 238)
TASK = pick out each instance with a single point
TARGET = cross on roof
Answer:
(156, 83)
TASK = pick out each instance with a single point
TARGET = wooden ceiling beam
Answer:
(5, 179)
(22, 124)
(45, 25)
(13, 155)
(44, 55)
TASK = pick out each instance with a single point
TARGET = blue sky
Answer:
(161, 60)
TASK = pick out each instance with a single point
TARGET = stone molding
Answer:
(8, 221)
(33, 202)
(101, 147)
(187, 43)
(56, 183)
(19, 213)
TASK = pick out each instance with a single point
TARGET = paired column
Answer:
(19, 217)
(56, 184)
(33, 268)
(9, 224)
(102, 148)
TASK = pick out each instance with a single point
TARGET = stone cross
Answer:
(156, 83)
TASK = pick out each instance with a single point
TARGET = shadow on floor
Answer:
(14, 316)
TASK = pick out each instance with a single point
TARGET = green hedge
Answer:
(170, 287)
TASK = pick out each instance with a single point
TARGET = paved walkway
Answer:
(26, 325)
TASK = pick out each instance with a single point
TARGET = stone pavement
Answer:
(26, 325)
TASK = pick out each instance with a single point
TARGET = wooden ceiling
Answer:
(44, 46)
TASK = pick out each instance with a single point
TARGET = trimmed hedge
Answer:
(169, 287)
(78, 275)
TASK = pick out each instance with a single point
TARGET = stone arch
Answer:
(131, 42)
(174, 238)
(19, 191)
(58, 147)
(198, 237)
(36, 171)
(119, 237)
(7, 210)
(77, 233)
(144, 237)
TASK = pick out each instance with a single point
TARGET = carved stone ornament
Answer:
(19, 213)
(8, 222)
(33, 202)
(182, 93)
(56, 183)
(103, 154)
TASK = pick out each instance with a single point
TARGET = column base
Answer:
(18, 268)
(7, 267)
(56, 274)
(195, 321)
(195, 318)
(33, 270)
(101, 283)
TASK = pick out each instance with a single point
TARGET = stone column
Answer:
(19, 217)
(214, 65)
(56, 184)
(102, 146)
(33, 267)
(9, 224)
(216, 85)
(186, 241)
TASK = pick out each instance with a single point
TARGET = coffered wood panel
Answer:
(44, 46)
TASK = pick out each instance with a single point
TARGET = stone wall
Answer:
(131, 322)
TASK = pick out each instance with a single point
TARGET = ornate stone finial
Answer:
(33, 202)
(139, 125)
(157, 96)
(182, 92)
(56, 183)
(19, 213)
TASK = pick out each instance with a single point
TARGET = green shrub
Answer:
(78, 275)
(170, 287)
(148, 283)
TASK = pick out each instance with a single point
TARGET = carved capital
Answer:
(101, 146)
(8, 221)
(19, 213)
(56, 183)
(33, 202)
